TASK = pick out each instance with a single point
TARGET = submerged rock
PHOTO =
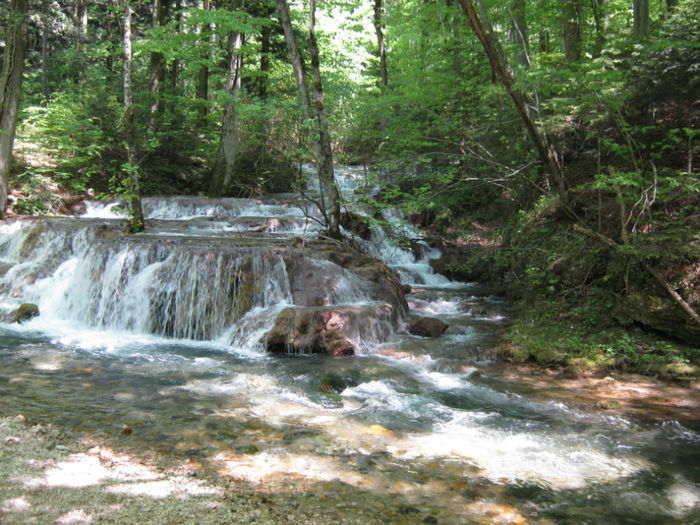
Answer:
(427, 327)
(26, 312)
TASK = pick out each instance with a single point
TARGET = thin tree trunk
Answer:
(519, 32)
(175, 66)
(80, 22)
(44, 59)
(160, 13)
(294, 57)
(228, 143)
(641, 17)
(203, 74)
(503, 72)
(265, 35)
(134, 190)
(11, 90)
(325, 170)
(380, 44)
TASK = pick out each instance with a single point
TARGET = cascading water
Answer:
(163, 330)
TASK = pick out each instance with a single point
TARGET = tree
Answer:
(158, 70)
(203, 75)
(571, 29)
(11, 90)
(228, 143)
(329, 191)
(641, 17)
(502, 71)
(519, 31)
(330, 199)
(133, 188)
(380, 44)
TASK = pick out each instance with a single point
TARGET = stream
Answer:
(411, 419)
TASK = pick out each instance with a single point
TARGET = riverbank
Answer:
(52, 475)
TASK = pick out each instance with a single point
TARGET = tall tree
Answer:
(158, 69)
(380, 44)
(502, 71)
(134, 189)
(294, 57)
(228, 142)
(329, 191)
(11, 90)
(330, 199)
(203, 74)
(80, 31)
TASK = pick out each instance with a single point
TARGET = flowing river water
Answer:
(412, 420)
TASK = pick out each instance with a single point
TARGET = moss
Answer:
(550, 334)
(25, 312)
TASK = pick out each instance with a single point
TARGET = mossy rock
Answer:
(26, 312)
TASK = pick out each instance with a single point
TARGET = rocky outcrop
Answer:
(427, 327)
(462, 263)
(660, 313)
(335, 330)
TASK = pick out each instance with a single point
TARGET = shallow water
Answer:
(411, 421)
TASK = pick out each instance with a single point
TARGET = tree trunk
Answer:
(228, 143)
(571, 29)
(265, 35)
(601, 16)
(160, 13)
(380, 44)
(80, 27)
(294, 57)
(44, 60)
(175, 66)
(134, 190)
(203, 75)
(641, 17)
(519, 32)
(503, 72)
(11, 90)
(325, 169)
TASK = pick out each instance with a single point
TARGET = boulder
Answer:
(427, 327)
(25, 312)
(333, 331)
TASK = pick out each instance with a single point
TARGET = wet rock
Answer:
(427, 327)
(328, 330)
(25, 312)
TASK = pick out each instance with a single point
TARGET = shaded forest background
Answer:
(604, 270)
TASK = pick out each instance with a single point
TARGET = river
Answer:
(411, 420)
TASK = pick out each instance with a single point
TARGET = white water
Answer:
(162, 305)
